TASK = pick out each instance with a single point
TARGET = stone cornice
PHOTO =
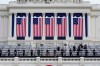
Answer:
(52, 5)
(3, 7)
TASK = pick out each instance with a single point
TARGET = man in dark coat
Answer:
(74, 48)
(62, 51)
(85, 46)
(70, 52)
(47, 53)
(31, 52)
(94, 52)
(86, 52)
(8, 52)
(58, 48)
(23, 52)
(54, 52)
(38, 52)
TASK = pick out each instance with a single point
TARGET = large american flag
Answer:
(21, 27)
(61, 26)
(37, 26)
(78, 26)
(49, 26)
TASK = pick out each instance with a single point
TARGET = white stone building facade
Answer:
(49, 6)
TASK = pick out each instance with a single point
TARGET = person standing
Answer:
(15, 52)
(74, 48)
(23, 52)
(70, 52)
(86, 52)
(54, 53)
(62, 51)
(47, 53)
(94, 52)
(38, 52)
(31, 53)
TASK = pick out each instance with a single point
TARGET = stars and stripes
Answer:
(37, 26)
(21, 27)
(49, 26)
(61, 26)
(78, 27)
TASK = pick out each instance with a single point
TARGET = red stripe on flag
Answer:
(39, 27)
(42, 26)
(62, 26)
(50, 25)
(65, 27)
(24, 27)
(60, 31)
(17, 30)
(81, 27)
(54, 26)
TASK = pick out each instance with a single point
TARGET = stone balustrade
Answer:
(16, 61)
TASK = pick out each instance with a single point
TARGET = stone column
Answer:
(10, 25)
(97, 31)
(84, 37)
(15, 15)
(43, 38)
(93, 27)
(27, 37)
(55, 30)
(72, 37)
(32, 26)
(89, 26)
(67, 37)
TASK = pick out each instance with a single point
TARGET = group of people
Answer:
(54, 52)
(79, 50)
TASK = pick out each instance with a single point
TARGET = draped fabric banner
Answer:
(86, 24)
(78, 26)
(29, 25)
(49, 26)
(12, 34)
(21, 27)
(69, 24)
(49, 21)
(37, 27)
(61, 26)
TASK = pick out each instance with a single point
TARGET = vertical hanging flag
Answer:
(69, 24)
(86, 24)
(21, 27)
(37, 27)
(49, 27)
(29, 25)
(61, 27)
(13, 16)
(78, 27)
